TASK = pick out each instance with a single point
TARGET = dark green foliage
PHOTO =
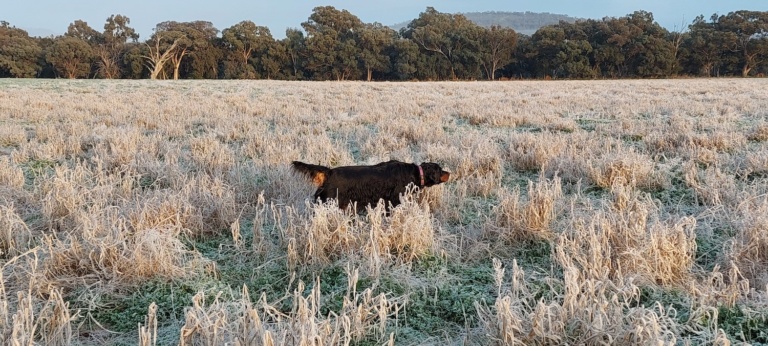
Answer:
(743, 326)
(71, 57)
(123, 313)
(669, 298)
(19, 53)
(336, 45)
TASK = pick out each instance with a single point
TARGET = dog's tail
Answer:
(317, 173)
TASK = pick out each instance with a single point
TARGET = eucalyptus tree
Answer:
(746, 32)
(176, 40)
(159, 50)
(404, 56)
(649, 53)
(630, 46)
(295, 46)
(245, 40)
(134, 61)
(561, 50)
(19, 53)
(706, 47)
(113, 44)
(452, 37)
(275, 62)
(81, 30)
(331, 43)
(608, 40)
(70, 56)
(497, 47)
(545, 44)
(374, 40)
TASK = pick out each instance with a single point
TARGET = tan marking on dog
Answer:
(318, 179)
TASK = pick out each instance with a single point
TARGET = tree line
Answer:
(336, 45)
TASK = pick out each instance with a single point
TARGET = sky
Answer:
(51, 17)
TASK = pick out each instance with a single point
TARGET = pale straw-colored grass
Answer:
(108, 185)
(244, 322)
(748, 250)
(28, 320)
(518, 219)
(533, 151)
(15, 235)
(582, 314)
(11, 176)
(377, 237)
(627, 238)
(711, 186)
(12, 135)
(758, 133)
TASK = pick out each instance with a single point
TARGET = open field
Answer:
(578, 212)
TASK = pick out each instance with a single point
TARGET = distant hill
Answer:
(523, 22)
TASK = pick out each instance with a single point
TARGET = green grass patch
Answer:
(743, 326)
(37, 168)
(123, 313)
(668, 298)
(443, 299)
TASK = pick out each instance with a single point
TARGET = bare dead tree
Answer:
(678, 37)
(176, 57)
(157, 57)
(108, 62)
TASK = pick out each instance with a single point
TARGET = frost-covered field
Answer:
(578, 212)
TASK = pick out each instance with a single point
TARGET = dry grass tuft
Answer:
(10, 175)
(711, 186)
(759, 133)
(148, 331)
(15, 236)
(121, 257)
(211, 156)
(478, 166)
(519, 220)
(628, 240)
(12, 136)
(35, 321)
(625, 168)
(406, 235)
(214, 203)
(589, 311)
(362, 315)
(688, 142)
(533, 151)
(403, 236)
(748, 250)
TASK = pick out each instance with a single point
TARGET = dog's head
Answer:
(434, 174)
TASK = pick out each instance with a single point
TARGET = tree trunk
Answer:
(156, 60)
(745, 71)
(246, 55)
(176, 65)
(155, 72)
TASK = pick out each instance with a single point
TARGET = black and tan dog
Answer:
(369, 184)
